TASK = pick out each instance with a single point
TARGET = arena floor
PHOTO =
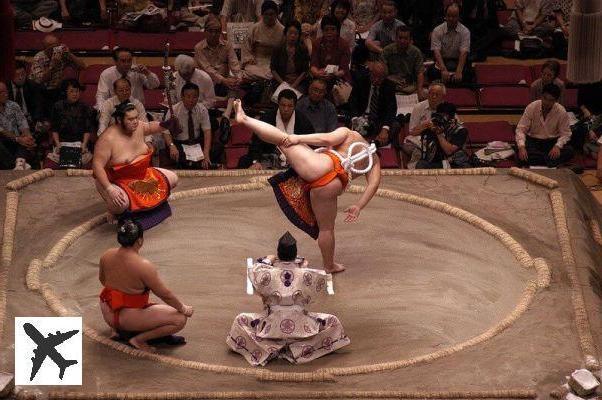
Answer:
(447, 292)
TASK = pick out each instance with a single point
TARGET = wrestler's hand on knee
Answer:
(187, 310)
(116, 196)
(353, 213)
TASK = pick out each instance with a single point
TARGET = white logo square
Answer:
(48, 351)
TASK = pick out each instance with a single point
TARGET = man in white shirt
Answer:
(123, 93)
(138, 75)
(186, 72)
(193, 119)
(543, 131)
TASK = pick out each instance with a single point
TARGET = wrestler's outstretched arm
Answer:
(373, 179)
(150, 277)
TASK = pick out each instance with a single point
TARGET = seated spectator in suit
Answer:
(17, 145)
(193, 118)
(543, 131)
(404, 61)
(450, 43)
(264, 38)
(374, 101)
(480, 17)
(138, 75)
(290, 61)
(340, 9)
(383, 32)
(321, 112)
(238, 11)
(186, 72)
(26, 11)
(264, 155)
(48, 67)
(444, 140)
(330, 49)
(27, 94)
(217, 57)
(549, 74)
(531, 17)
(123, 94)
(71, 121)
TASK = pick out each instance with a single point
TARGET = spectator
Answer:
(321, 112)
(123, 94)
(309, 13)
(543, 131)
(17, 146)
(383, 32)
(218, 59)
(364, 13)
(480, 17)
(340, 10)
(27, 94)
(71, 121)
(239, 11)
(264, 37)
(444, 140)
(531, 17)
(420, 121)
(265, 155)
(290, 62)
(186, 72)
(549, 74)
(404, 61)
(80, 11)
(374, 100)
(450, 43)
(28, 10)
(193, 118)
(562, 14)
(48, 66)
(138, 75)
(330, 49)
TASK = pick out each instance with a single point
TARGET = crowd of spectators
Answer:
(324, 62)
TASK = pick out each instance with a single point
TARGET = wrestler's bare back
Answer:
(122, 270)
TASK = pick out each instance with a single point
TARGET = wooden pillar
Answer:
(7, 43)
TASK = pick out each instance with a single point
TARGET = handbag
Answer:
(341, 91)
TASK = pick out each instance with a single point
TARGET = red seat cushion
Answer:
(140, 41)
(389, 158)
(153, 99)
(570, 98)
(88, 96)
(240, 135)
(75, 40)
(233, 154)
(91, 74)
(500, 97)
(503, 16)
(481, 133)
(184, 41)
(491, 75)
(461, 97)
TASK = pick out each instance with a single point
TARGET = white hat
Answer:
(46, 25)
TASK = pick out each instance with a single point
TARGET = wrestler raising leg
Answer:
(312, 166)
(128, 279)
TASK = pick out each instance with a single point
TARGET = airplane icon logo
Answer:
(48, 350)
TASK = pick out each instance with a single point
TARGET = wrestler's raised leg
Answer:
(112, 208)
(306, 162)
(171, 177)
(154, 322)
(324, 206)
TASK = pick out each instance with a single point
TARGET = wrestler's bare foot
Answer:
(141, 345)
(239, 115)
(336, 267)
